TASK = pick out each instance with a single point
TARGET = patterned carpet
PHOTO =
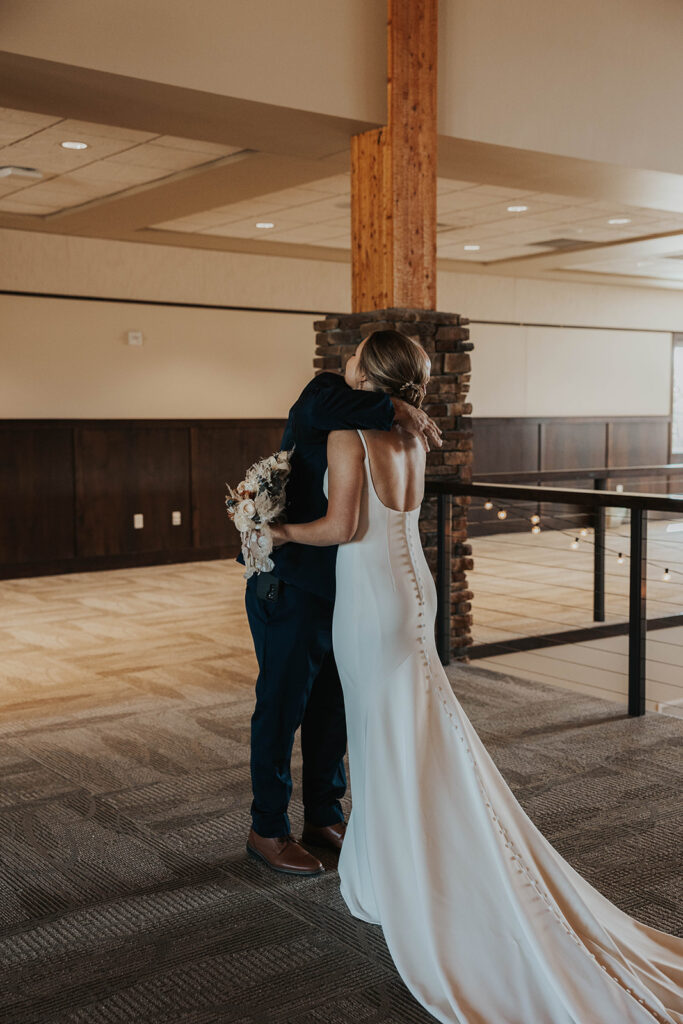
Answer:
(125, 891)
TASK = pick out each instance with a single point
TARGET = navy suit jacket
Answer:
(325, 404)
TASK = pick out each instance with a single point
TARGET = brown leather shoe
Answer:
(283, 853)
(325, 835)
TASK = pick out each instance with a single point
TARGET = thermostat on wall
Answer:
(135, 337)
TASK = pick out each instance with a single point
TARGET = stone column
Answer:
(445, 338)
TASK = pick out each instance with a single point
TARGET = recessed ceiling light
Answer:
(619, 220)
(517, 209)
(74, 145)
(264, 224)
(471, 248)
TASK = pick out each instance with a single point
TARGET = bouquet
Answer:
(255, 503)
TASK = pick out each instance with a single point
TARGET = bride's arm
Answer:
(345, 458)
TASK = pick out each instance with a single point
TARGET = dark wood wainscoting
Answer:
(509, 445)
(70, 490)
(38, 506)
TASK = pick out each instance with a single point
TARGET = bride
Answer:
(485, 921)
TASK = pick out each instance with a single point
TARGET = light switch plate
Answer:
(138, 521)
(176, 519)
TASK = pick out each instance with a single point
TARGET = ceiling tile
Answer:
(70, 128)
(46, 154)
(466, 199)
(444, 185)
(163, 158)
(338, 184)
(196, 145)
(501, 192)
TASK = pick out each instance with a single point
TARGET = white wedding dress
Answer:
(485, 921)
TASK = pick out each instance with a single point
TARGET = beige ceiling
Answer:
(215, 167)
(468, 214)
(116, 159)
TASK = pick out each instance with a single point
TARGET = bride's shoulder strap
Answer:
(365, 444)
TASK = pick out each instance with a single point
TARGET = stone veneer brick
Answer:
(446, 340)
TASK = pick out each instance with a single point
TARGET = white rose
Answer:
(247, 508)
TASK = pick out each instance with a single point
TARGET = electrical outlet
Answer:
(176, 519)
(138, 521)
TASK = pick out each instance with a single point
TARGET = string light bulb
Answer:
(502, 514)
(535, 528)
(488, 504)
(574, 544)
(666, 576)
(620, 558)
(584, 531)
(535, 519)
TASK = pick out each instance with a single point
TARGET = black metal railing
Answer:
(593, 501)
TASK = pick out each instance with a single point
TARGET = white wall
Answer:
(327, 56)
(68, 358)
(601, 81)
(560, 371)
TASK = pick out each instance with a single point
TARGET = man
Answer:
(290, 617)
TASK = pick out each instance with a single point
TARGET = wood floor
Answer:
(526, 585)
(126, 895)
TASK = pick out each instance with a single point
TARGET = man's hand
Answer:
(279, 534)
(416, 422)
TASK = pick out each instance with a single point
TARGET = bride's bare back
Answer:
(397, 467)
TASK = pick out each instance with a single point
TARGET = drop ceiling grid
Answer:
(466, 211)
(116, 159)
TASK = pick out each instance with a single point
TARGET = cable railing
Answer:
(581, 516)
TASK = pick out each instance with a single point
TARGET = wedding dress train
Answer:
(485, 921)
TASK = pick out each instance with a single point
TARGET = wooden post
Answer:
(393, 173)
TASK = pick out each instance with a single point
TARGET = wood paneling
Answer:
(220, 455)
(641, 442)
(505, 445)
(37, 489)
(64, 479)
(517, 445)
(571, 444)
(122, 471)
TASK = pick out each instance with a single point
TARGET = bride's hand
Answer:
(278, 533)
(416, 422)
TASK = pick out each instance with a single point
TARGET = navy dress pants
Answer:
(298, 685)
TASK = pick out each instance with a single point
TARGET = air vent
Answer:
(20, 172)
(565, 243)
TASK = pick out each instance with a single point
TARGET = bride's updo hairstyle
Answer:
(396, 365)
